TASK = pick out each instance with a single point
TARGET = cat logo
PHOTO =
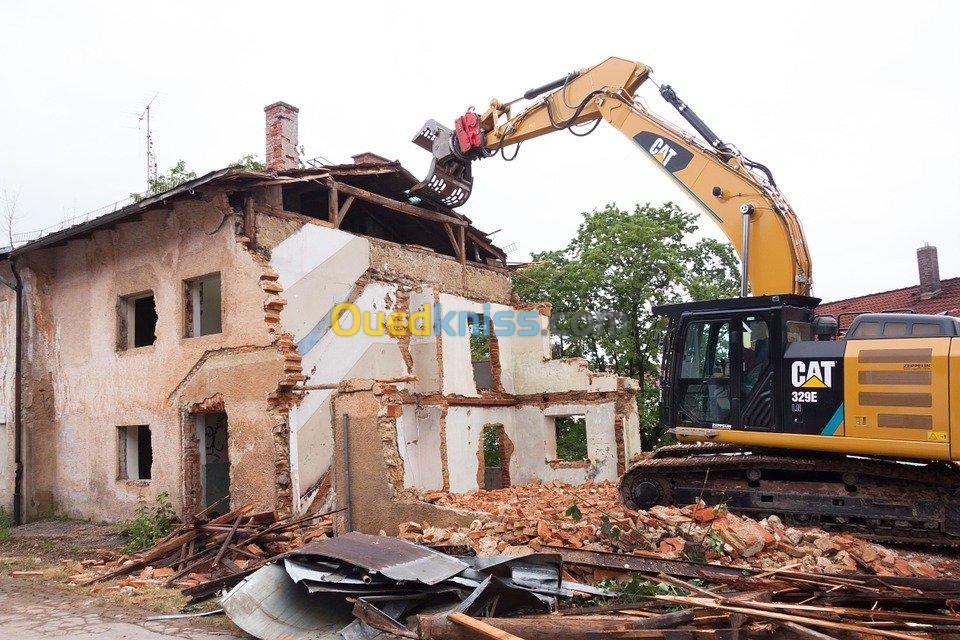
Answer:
(816, 374)
(671, 155)
(662, 151)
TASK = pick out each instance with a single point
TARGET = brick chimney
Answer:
(929, 271)
(282, 137)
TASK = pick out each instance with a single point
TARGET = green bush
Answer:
(150, 523)
(6, 521)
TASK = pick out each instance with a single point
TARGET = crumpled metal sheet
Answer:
(394, 558)
(498, 597)
(269, 605)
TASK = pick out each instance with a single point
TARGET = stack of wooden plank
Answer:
(213, 552)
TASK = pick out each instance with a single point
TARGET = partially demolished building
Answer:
(196, 343)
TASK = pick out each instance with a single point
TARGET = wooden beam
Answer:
(343, 211)
(482, 628)
(250, 222)
(483, 242)
(390, 203)
(463, 246)
(333, 205)
(453, 239)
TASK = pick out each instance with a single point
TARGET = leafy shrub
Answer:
(6, 521)
(150, 523)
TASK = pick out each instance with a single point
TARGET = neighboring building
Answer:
(932, 295)
(183, 344)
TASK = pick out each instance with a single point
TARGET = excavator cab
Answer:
(723, 362)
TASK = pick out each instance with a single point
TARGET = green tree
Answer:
(248, 162)
(175, 176)
(603, 284)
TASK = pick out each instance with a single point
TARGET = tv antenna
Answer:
(151, 156)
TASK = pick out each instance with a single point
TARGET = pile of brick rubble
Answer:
(518, 519)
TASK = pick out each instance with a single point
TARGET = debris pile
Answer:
(589, 516)
(356, 582)
(209, 553)
(359, 586)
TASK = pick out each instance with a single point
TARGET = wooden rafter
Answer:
(390, 203)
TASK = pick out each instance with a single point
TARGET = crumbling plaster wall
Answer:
(319, 267)
(8, 301)
(369, 450)
(79, 388)
(524, 357)
(458, 464)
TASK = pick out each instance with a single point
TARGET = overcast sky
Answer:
(852, 105)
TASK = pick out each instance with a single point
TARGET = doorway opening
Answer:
(213, 447)
(496, 457)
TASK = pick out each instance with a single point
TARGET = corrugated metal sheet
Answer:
(396, 559)
(270, 606)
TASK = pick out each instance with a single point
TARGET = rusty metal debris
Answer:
(386, 580)
(390, 557)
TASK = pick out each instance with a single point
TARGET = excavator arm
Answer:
(738, 194)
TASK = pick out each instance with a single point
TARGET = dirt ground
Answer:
(36, 601)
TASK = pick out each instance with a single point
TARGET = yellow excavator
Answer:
(775, 412)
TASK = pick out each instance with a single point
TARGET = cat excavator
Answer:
(775, 412)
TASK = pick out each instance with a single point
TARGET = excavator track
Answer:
(878, 499)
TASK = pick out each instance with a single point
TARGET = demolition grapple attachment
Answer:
(450, 180)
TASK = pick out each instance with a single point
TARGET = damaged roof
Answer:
(386, 180)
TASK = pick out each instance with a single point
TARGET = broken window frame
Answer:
(126, 320)
(129, 447)
(556, 457)
(192, 300)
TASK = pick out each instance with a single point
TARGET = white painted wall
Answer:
(418, 431)
(319, 268)
(532, 431)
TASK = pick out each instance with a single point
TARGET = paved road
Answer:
(34, 611)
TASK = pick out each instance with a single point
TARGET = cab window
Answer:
(894, 329)
(867, 330)
(798, 331)
(706, 351)
(925, 329)
(705, 373)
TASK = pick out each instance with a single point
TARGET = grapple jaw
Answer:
(450, 180)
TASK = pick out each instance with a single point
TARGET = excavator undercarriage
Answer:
(879, 499)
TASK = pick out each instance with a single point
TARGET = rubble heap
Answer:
(535, 517)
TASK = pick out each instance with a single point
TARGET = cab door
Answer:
(755, 351)
(704, 394)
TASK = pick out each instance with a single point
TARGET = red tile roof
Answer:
(947, 301)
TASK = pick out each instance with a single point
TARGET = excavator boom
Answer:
(738, 194)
